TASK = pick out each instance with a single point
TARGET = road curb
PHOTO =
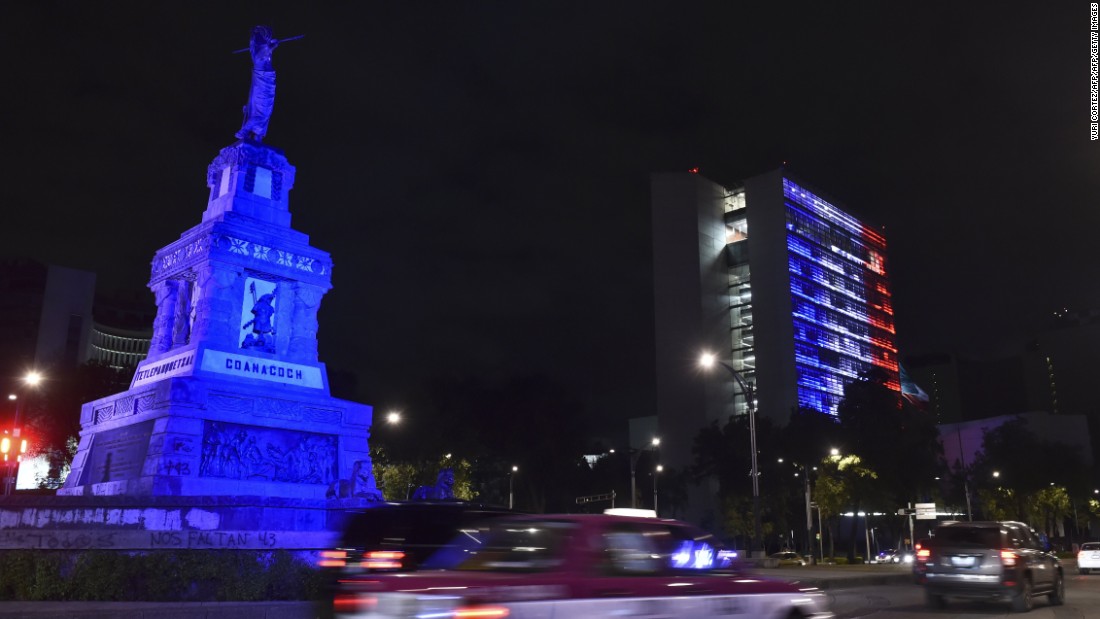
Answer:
(154, 610)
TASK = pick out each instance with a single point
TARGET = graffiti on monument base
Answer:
(91, 539)
(56, 540)
(267, 454)
(212, 539)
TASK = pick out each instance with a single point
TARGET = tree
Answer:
(842, 482)
(723, 453)
(51, 412)
(809, 435)
(1023, 477)
(399, 480)
(529, 422)
(878, 425)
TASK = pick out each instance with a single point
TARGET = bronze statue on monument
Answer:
(261, 97)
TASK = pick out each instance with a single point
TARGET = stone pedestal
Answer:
(200, 436)
(232, 400)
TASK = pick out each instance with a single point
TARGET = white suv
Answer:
(1088, 557)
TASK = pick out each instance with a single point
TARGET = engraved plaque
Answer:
(118, 454)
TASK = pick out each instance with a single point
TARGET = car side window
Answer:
(629, 552)
(1035, 540)
(1016, 537)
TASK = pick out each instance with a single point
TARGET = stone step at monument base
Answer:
(166, 523)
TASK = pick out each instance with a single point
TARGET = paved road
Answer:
(906, 601)
(833, 579)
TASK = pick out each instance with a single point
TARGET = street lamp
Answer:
(30, 379)
(866, 533)
(13, 448)
(809, 510)
(514, 469)
(634, 455)
(393, 418)
(708, 360)
(820, 533)
(655, 471)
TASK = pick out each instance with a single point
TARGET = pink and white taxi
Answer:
(583, 566)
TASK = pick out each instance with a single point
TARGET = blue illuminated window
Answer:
(842, 314)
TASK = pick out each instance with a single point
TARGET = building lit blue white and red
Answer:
(784, 285)
(840, 295)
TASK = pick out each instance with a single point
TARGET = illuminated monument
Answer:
(232, 400)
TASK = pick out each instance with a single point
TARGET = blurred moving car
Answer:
(400, 536)
(886, 556)
(1088, 557)
(787, 558)
(396, 537)
(891, 555)
(578, 565)
(989, 560)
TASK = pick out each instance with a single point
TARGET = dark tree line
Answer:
(888, 456)
(887, 451)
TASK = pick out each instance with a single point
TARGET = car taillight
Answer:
(924, 554)
(383, 560)
(350, 603)
(1008, 558)
(333, 558)
(480, 612)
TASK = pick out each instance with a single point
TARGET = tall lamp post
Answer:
(655, 471)
(820, 534)
(634, 455)
(31, 379)
(708, 360)
(513, 474)
(809, 509)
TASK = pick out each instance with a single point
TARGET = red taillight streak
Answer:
(333, 558)
(924, 554)
(1008, 557)
(385, 554)
(480, 612)
(383, 560)
(353, 603)
(381, 565)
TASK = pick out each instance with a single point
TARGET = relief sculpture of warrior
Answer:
(262, 323)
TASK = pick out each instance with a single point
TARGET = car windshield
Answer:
(523, 546)
(1092, 546)
(981, 537)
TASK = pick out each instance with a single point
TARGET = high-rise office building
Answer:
(45, 317)
(782, 285)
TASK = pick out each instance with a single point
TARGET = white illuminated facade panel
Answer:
(117, 350)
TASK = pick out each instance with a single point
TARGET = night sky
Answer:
(479, 171)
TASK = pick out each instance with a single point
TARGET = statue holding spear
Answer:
(261, 97)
